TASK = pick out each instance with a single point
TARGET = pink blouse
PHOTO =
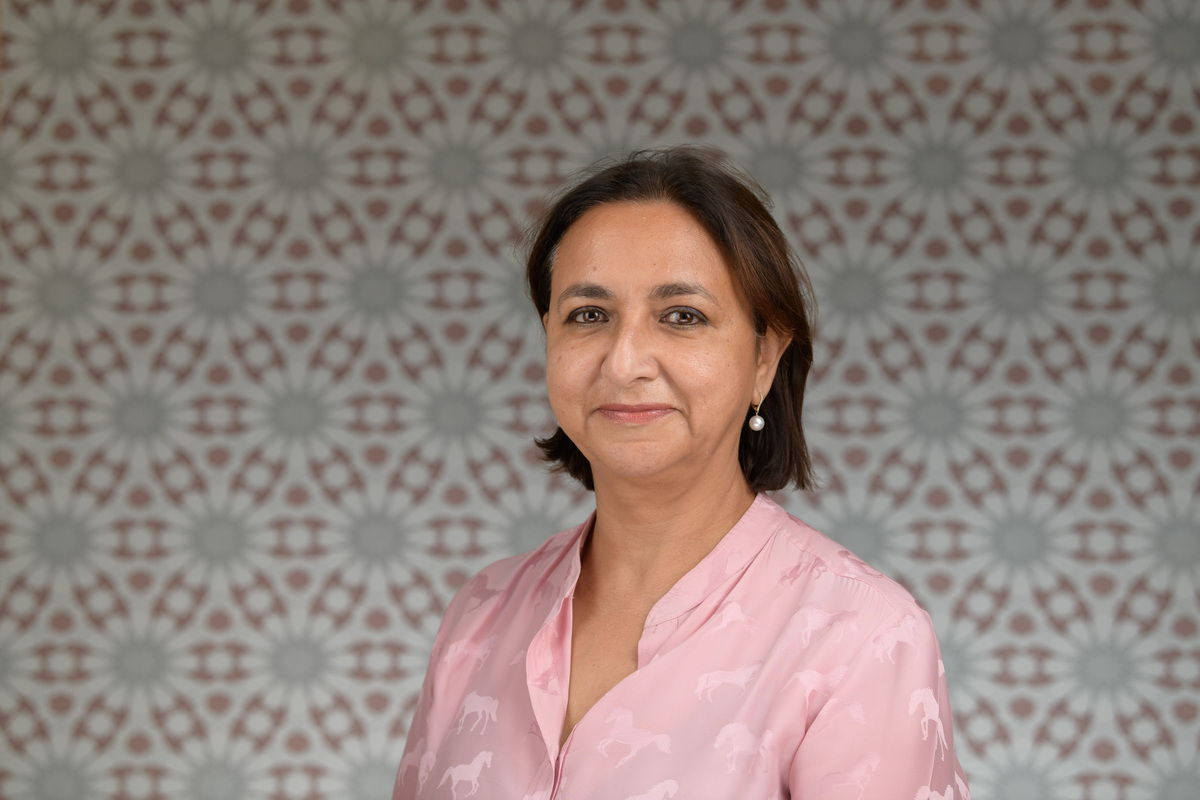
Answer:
(781, 666)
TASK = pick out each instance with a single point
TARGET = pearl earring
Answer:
(756, 422)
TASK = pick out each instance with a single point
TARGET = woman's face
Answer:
(651, 354)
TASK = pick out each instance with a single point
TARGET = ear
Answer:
(771, 347)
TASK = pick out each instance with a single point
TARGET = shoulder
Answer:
(816, 564)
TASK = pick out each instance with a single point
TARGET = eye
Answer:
(589, 315)
(685, 317)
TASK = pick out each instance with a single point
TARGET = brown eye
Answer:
(586, 316)
(685, 317)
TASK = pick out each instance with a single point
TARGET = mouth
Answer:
(634, 414)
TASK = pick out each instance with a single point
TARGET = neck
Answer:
(647, 537)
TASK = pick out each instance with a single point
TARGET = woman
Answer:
(691, 638)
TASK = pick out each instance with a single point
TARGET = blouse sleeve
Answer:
(419, 749)
(885, 732)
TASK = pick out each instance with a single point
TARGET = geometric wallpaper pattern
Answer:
(269, 380)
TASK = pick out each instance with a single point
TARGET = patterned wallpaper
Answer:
(268, 379)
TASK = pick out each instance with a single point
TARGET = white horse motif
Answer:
(465, 648)
(813, 619)
(904, 633)
(667, 788)
(857, 776)
(466, 772)
(926, 793)
(930, 712)
(732, 614)
(815, 681)
(624, 733)
(483, 708)
(711, 681)
(737, 740)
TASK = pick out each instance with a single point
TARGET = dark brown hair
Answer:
(735, 211)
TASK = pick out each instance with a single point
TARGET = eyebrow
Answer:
(665, 291)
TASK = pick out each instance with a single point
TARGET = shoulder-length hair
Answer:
(735, 211)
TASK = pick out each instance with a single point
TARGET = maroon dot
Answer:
(143, 90)
(532, 455)
(856, 457)
(378, 208)
(1182, 125)
(140, 580)
(299, 87)
(64, 131)
(455, 331)
(534, 208)
(376, 454)
(935, 5)
(1017, 457)
(1099, 333)
(458, 85)
(455, 578)
(61, 621)
(1100, 499)
(1022, 707)
(1019, 125)
(1104, 750)
(297, 495)
(1017, 373)
(61, 375)
(60, 703)
(1098, 5)
(614, 5)
(64, 212)
(938, 84)
(857, 125)
(61, 458)
(376, 372)
(142, 8)
(297, 742)
(456, 495)
(1184, 626)
(1180, 207)
(456, 6)
(140, 334)
(378, 619)
(936, 248)
(856, 373)
(697, 126)
(377, 701)
(456, 248)
(218, 620)
(938, 498)
(138, 743)
(536, 126)
(218, 456)
(939, 582)
(379, 126)
(856, 208)
(778, 84)
(1021, 623)
(297, 332)
(616, 86)
(218, 702)
(299, 249)
(1099, 248)
(534, 373)
(219, 210)
(1184, 710)
(1102, 584)
(142, 251)
(297, 579)
(218, 374)
(139, 497)
(221, 129)
(1180, 375)
(1017, 208)
(775, 5)
(298, 6)
(937, 332)
(1180, 459)
(1100, 84)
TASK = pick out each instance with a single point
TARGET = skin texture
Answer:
(652, 363)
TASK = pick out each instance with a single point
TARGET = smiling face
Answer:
(651, 355)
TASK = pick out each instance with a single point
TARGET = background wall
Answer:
(268, 379)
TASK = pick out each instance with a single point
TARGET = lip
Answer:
(634, 414)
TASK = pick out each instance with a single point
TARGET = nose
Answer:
(631, 355)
